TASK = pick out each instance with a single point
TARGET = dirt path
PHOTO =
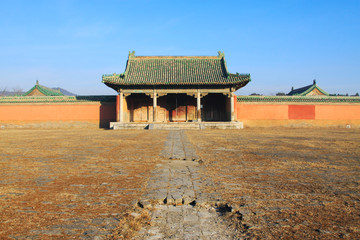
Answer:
(181, 210)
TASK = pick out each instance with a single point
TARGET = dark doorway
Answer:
(214, 107)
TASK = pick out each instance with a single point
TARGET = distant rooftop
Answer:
(310, 90)
(41, 90)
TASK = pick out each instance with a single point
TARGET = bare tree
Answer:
(17, 91)
(3, 91)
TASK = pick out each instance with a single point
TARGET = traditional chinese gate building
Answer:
(175, 89)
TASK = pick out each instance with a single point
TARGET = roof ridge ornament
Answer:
(37, 82)
(221, 54)
(132, 54)
(314, 81)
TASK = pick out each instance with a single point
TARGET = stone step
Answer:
(177, 125)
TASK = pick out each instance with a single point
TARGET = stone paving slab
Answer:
(178, 147)
(174, 191)
(186, 222)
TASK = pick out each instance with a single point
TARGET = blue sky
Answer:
(70, 44)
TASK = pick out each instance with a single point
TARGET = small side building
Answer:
(176, 89)
(40, 90)
(311, 90)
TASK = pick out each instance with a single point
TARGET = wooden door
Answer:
(178, 109)
(141, 111)
(179, 114)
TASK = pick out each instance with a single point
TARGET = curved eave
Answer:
(121, 81)
(111, 85)
(242, 81)
(242, 84)
(235, 84)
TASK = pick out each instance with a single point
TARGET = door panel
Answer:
(179, 113)
(141, 111)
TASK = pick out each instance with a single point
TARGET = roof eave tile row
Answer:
(283, 99)
(54, 99)
(120, 80)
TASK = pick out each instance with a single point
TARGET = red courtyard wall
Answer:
(96, 113)
(262, 111)
(251, 113)
(301, 111)
(283, 114)
(338, 112)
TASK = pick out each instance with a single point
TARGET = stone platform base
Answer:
(178, 125)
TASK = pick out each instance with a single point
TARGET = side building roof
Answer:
(170, 71)
(304, 91)
(45, 91)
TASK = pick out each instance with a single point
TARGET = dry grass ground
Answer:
(71, 182)
(287, 183)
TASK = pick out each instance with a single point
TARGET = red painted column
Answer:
(154, 106)
(235, 107)
(117, 107)
(198, 106)
(232, 107)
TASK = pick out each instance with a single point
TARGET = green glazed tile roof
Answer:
(176, 70)
(44, 90)
(298, 99)
(307, 89)
(57, 99)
